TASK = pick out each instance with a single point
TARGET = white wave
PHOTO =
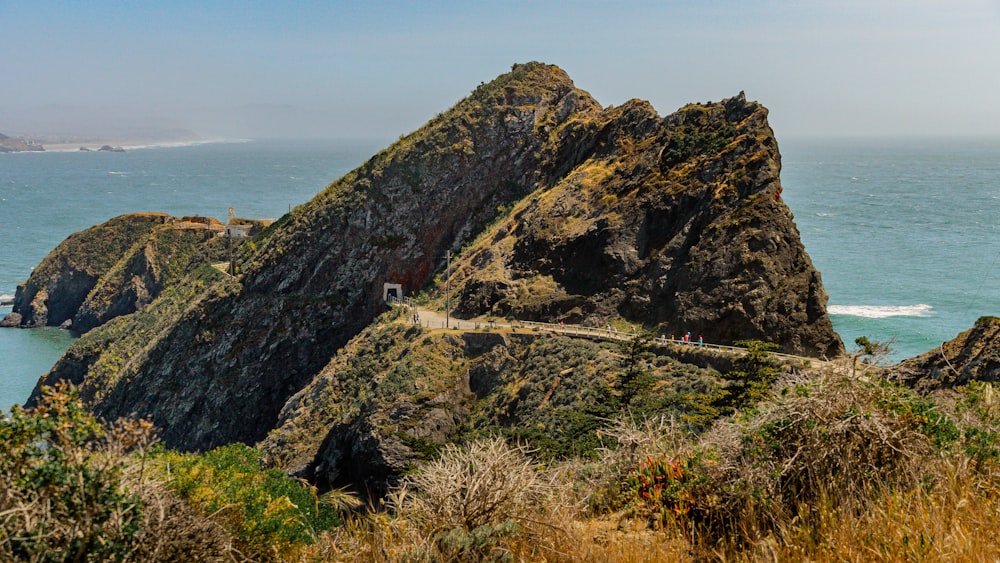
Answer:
(822, 214)
(179, 144)
(6, 297)
(117, 173)
(881, 311)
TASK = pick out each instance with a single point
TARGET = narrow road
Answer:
(436, 320)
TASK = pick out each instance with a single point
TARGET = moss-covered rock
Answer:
(113, 269)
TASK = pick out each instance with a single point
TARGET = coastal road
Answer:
(436, 320)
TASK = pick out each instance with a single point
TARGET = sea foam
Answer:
(881, 311)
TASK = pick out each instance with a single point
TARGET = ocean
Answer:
(47, 196)
(903, 231)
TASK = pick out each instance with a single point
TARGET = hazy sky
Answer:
(379, 69)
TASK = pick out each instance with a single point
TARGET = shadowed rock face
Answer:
(673, 221)
(60, 284)
(973, 355)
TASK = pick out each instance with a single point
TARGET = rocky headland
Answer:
(507, 438)
(113, 269)
(10, 144)
(555, 209)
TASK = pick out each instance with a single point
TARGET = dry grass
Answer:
(830, 469)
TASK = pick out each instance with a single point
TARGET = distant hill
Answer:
(8, 144)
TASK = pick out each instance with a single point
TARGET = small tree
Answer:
(875, 352)
(750, 379)
(636, 378)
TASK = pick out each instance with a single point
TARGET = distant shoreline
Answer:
(94, 146)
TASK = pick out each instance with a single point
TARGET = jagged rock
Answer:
(973, 355)
(112, 269)
(674, 223)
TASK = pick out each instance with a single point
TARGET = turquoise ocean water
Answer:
(47, 196)
(903, 231)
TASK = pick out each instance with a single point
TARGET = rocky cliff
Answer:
(675, 223)
(110, 270)
(973, 355)
(588, 213)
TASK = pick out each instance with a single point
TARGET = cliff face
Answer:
(57, 288)
(315, 280)
(113, 269)
(674, 221)
(973, 355)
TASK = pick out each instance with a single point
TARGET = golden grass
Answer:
(938, 504)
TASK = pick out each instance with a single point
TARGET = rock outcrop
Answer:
(110, 270)
(10, 144)
(669, 222)
(973, 355)
(675, 223)
(60, 284)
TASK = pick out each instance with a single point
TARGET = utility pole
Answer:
(229, 234)
(232, 260)
(447, 289)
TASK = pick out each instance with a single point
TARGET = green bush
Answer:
(272, 515)
(665, 488)
(61, 497)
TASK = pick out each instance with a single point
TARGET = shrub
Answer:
(666, 489)
(485, 483)
(479, 502)
(272, 515)
(831, 439)
(60, 493)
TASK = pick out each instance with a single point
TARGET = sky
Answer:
(377, 70)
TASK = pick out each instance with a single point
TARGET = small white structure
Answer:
(393, 290)
(238, 231)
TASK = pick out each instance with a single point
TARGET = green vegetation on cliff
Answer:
(113, 269)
